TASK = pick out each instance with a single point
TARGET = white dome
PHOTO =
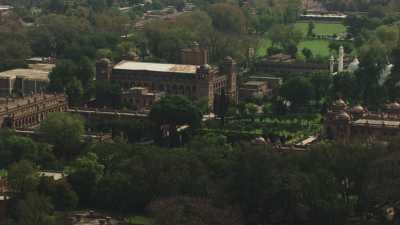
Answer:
(353, 66)
(259, 141)
(385, 74)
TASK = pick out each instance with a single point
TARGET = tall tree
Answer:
(228, 17)
(34, 210)
(310, 29)
(190, 211)
(298, 91)
(23, 178)
(393, 82)
(84, 175)
(373, 61)
(64, 131)
(172, 112)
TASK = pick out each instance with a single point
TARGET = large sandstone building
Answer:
(194, 78)
(25, 81)
(29, 111)
(344, 123)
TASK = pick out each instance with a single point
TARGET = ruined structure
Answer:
(25, 112)
(344, 123)
(195, 79)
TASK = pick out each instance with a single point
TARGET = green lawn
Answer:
(3, 173)
(322, 28)
(318, 47)
(140, 220)
(265, 43)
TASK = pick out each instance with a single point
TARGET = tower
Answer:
(341, 59)
(194, 55)
(337, 122)
(228, 68)
(205, 84)
(103, 69)
(332, 64)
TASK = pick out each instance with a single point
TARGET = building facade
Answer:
(29, 111)
(285, 64)
(140, 98)
(252, 89)
(344, 123)
(25, 81)
(194, 79)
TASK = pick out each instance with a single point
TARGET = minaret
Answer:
(332, 64)
(341, 59)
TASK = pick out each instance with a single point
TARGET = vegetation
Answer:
(216, 176)
(135, 179)
(64, 131)
(322, 28)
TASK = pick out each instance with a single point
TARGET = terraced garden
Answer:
(291, 129)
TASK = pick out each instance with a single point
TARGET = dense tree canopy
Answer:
(64, 131)
(173, 112)
(298, 91)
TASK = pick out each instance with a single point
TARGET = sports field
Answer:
(318, 47)
(322, 28)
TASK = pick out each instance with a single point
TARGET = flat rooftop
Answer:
(55, 175)
(265, 77)
(31, 74)
(42, 66)
(339, 16)
(254, 83)
(5, 7)
(156, 67)
(376, 123)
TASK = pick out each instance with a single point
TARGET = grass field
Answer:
(140, 220)
(265, 43)
(322, 28)
(318, 47)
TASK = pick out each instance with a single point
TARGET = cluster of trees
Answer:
(72, 33)
(285, 38)
(271, 12)
(360, 5)
(221, 27)
(373, 84)
(209, 181)
(379, 24)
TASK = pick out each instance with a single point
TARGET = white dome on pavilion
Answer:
(353, 66)
(385, 74)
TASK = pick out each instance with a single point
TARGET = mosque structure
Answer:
(344, 123)
(339, 65)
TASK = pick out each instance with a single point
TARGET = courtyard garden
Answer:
(287, 129)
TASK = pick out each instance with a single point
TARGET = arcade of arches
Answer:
(25, 112)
